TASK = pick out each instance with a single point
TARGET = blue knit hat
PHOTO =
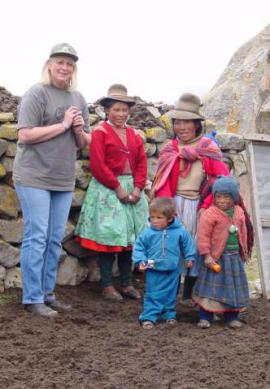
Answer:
(226, 184)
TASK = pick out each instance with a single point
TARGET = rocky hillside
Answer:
(240, 100)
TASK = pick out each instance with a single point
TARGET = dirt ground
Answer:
(100, 345)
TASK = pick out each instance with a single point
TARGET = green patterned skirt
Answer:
(105, 220)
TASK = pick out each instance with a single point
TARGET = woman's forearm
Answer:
(82, 139)
(40, 134)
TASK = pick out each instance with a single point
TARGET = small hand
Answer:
(188, 264)
(208, 260)
(142, 266)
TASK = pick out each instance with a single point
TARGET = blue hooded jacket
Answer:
(168, 247)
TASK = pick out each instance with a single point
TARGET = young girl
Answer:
(222, 240)
(163, 249)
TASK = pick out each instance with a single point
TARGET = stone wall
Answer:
(78, 264)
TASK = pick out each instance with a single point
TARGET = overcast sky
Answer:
(158, 49)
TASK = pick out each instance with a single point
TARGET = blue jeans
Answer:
(45, 214)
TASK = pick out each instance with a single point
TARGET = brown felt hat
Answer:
(187, 108)
(117, 92)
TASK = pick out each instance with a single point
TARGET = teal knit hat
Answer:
(226, 184)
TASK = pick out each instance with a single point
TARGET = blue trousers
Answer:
(160, 295)
(228, 316)
(45, 214)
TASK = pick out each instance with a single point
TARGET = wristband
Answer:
(65, 126)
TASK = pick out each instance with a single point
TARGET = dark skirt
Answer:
(228, 287)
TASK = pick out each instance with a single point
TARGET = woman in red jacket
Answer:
(115, 208)
(187, 167)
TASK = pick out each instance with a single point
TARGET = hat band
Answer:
(187, 107)
(117, 96)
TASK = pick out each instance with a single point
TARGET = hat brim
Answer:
(105, 100)
(184, 115)
(74, 57)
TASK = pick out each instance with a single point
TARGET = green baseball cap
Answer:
(64, 49)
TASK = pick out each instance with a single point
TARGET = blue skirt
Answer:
(228, 287)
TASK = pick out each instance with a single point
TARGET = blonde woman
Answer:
(52, 124)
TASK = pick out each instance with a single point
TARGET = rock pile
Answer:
(8, 102)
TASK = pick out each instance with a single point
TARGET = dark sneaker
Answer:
(58, 305)
(40, 309)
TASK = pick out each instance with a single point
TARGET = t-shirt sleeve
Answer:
(85, 114)
(31, 110)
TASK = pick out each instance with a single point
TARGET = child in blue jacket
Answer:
(165, 250)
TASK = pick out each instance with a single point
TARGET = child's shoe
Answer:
(171, 322)
(147, 325)
(204, 324)
(235, 324)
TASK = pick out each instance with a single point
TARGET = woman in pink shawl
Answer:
(187, 168)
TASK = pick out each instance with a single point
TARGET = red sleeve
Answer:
(204, 232)
(140, 168)
(215, 168)
(98, 168)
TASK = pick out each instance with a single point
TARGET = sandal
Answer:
(204, 324)
(131, 292)
(147, 325)
(235, 324)
(111, 295)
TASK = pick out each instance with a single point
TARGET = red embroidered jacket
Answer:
(213, 231)
(108, 156)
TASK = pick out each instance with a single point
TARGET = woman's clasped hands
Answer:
(128, 198)
(73, 119)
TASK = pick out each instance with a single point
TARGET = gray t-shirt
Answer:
(47, 165)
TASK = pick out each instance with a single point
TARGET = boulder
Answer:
(238, 97)
(13, 278)
(150, 149)
(8, 131)
(9, 204)
(152, 167)
(11, 230)
(6, 117)
(11, 150)
(155, 134)
(8, 164)
(83, 174)
(228, 141)
(10, 256)
(3, 146)
(2, 273)
(71, 272)
(2, 171)
(78, 197)
(93, 269)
